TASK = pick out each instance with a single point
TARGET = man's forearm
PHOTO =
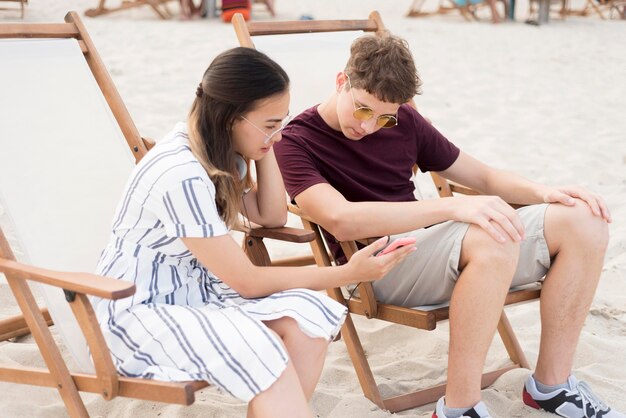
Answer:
(373, 219)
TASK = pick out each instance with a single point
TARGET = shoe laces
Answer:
(589, 398)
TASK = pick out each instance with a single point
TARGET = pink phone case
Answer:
(396, 243)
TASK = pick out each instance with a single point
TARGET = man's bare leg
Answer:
(477, 301)
(577, 242)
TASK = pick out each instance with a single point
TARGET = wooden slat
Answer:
(310, 26)
(425, 320)
(284, 233)
(16, 326)
(432, 394)
(48, 348)
(368, 300)
(106, 374)
(150, 390)
(112, 96)
(299, 261)
(38, 30)
(87, 283)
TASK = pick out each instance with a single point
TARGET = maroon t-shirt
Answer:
(377, 167)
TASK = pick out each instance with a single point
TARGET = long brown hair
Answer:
(232, 86)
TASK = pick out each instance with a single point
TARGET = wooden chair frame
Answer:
(77, 286)
(467, 11)
(603, 8)
(366, 303)
(159, 7)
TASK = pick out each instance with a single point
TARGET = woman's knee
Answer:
(294, 338)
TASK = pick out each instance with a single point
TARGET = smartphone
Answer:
(396, 243)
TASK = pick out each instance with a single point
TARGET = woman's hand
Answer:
(365, 267)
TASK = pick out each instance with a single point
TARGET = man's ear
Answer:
(340, 81)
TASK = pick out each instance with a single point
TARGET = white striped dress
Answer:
(183, 323)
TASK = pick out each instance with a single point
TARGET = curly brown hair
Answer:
(383, 66)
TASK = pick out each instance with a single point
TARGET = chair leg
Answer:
(48, 348)
(512, 345)
(360, 363)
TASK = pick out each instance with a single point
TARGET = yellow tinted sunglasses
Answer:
(364, 113)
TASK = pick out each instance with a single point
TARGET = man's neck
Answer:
(328, 112)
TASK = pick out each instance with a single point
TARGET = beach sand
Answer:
(546, 102)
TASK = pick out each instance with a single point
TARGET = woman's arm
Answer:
(225, 258)
(265, 204)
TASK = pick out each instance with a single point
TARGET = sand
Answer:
(546, 102)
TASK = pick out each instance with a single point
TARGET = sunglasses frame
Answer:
(369, 113)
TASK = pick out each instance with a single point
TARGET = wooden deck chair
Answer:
(21, 6)
(366, 304)
(57, 198)
(269, 4)
(603, 8)
(466, 8)
(159, 7)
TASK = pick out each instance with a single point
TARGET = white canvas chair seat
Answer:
(66, 151)
(63, 165)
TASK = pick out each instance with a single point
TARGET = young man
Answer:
(347, 163)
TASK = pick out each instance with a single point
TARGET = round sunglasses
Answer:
(364, 113)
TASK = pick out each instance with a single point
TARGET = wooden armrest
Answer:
(459, 188)
(85, 283)
(284, 233)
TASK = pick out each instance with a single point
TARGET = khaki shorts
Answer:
(429, 274)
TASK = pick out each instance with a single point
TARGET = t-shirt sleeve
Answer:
(435, 152)
(296, 164)
(187, 209)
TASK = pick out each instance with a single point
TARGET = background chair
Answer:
(603, 8)
(289, 57)
(22, 3)
(467, 8)
(159, 7)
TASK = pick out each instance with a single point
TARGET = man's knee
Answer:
(479, 248)
(575, 225)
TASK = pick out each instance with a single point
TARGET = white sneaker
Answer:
(478, 411)
(578, 401)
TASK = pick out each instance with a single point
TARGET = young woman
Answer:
(202, 310)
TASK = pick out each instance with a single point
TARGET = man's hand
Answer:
(567, 196)
(491, 213)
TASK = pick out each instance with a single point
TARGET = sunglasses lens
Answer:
(363, 113)
(386, 121)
